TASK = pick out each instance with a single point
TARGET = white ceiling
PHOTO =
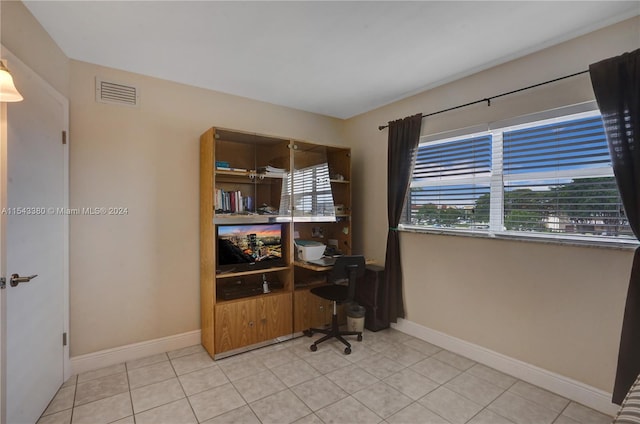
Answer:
(335, 58)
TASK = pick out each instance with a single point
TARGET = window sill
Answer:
(629, 245)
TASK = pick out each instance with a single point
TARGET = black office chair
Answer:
(346, 268)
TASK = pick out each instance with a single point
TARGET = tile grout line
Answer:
(298, 397)
(290, 388)
(155, 382)
(505, 391)
(182, 387)
(379, 380)
(562, 412)
(286, 387)
(539, 404)
(486, 407)
(442, 385)
(73, 404)
(133, 414)
(243, 398)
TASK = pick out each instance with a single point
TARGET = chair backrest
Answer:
(348, 268)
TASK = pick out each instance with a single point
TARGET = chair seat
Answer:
(333, 292)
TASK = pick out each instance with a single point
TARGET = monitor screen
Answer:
(243, 247)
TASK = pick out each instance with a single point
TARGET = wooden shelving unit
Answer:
(316, 177)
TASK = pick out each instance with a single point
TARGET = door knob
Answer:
(17, 279)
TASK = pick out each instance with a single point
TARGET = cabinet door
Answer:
(235, 325)
(310, 311)
(321, 311)
(301, 311)
(274, 316)
(311, 188)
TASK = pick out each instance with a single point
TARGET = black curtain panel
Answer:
(403, 141)
(616, 84)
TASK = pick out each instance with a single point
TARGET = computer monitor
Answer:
(348, 268)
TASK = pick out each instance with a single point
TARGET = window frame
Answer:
(498, 180)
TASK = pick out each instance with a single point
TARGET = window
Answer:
(448, 179)
(547, 177)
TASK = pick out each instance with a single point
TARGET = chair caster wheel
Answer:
(347, 350)
(308, 333)
(313, 348)
(359, 337)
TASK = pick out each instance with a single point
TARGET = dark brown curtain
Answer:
(616, 84)
(403, 141)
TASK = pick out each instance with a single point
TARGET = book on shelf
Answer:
(232, 201)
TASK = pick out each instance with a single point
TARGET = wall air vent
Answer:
(116, 93)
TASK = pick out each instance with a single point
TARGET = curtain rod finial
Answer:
(381, 127)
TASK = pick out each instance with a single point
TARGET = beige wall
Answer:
(557, 307)
(25, 37)
(135, 277)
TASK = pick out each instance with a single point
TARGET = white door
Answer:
(35, 243)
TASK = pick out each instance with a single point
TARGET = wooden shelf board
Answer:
(313, 267)
(252, 272)
(233, 173)
(232, 218)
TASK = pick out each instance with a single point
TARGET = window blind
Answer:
(448, 179)
(567, 185)
(466, 157)
(558, 146)
(588, 206)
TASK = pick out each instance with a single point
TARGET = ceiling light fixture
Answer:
(8, 91)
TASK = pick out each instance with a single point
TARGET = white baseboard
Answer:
(571, 389)
(117, 355)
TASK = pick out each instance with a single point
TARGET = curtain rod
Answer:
(488, 99)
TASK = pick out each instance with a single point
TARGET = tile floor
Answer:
(389, 378)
